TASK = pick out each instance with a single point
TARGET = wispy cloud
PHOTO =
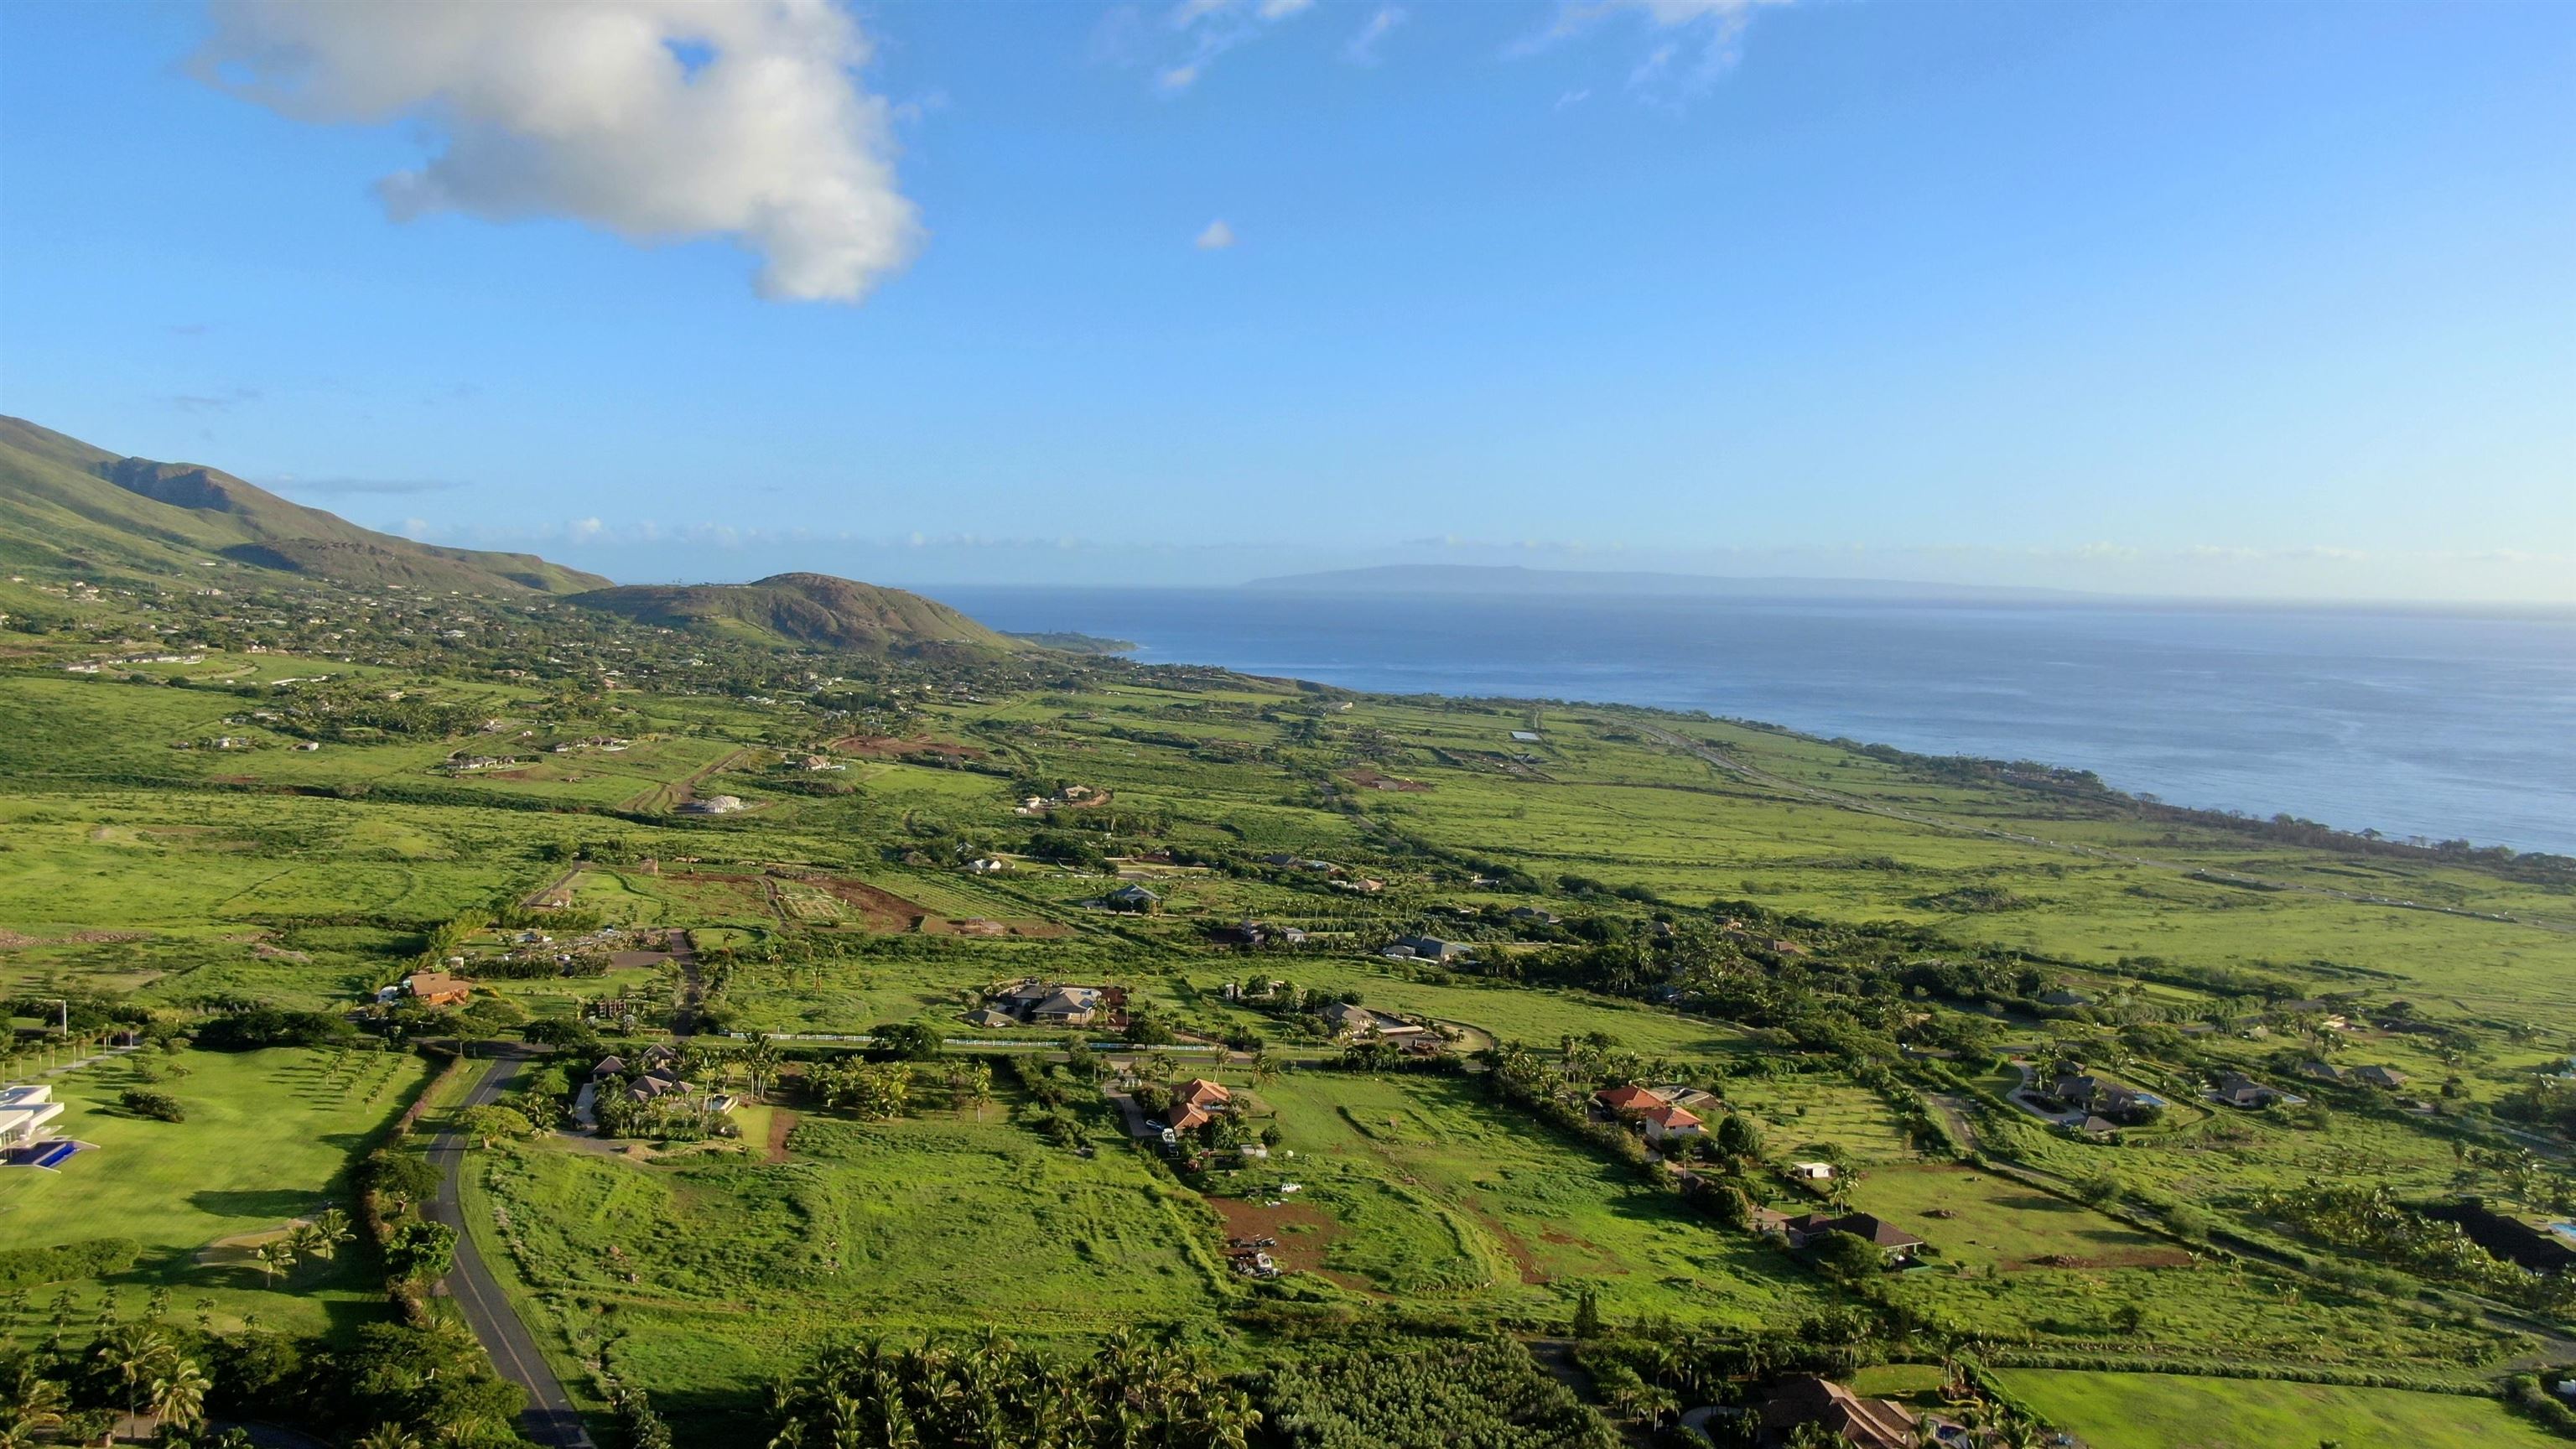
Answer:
(1709, 32)
(1208, 29)
(214, 402)
(652, 119)
(1216, 238)
(1362, 48)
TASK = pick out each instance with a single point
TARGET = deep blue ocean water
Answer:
(2443, 725)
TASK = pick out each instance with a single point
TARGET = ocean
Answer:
(2434, 724)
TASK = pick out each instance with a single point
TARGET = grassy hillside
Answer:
(815, 609)
(65, 504)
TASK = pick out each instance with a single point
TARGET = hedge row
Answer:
(89, 1258)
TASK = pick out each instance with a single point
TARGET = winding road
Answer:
(550, 1418)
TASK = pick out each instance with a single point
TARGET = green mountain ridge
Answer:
(801, 608)
(67, 504)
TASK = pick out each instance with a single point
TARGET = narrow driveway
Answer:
(550, 1418)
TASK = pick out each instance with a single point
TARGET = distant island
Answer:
(1069, 642)
(1515, 579)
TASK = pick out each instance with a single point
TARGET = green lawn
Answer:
(2170, 1411)
(740, 1267)
(1981, 1220)
(268, 1138)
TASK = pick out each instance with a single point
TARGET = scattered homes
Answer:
(2064, 996)
(1535, 915)
(2321, 1071)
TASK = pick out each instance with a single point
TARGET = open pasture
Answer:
(2171, 1411)
(713, 1273)
(1438, 1195)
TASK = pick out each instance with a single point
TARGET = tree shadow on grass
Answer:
(275, 1204)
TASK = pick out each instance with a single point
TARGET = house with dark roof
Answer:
(2377, 1076)
(1863, 1423)
(2236, 1089)
(1893, 1242)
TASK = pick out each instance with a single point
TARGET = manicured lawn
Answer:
(2169, 1411)
(268, 1138)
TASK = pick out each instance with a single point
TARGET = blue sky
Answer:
(2240, 299)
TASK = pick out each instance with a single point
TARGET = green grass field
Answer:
(739, 1267)
(268, 1138)
(1436, 1195)
(2170, 1411)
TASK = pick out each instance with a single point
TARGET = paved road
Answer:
(550, 1418)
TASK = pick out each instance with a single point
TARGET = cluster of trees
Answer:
(2372, 1221)
(1426, 1394)
(1132, 1391)
(872, 1089)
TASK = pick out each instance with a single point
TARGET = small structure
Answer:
(1535, 915)
(1201, 1093)
(991, 1017)
(2320, 1071)
(1812, 1171)
(2065, 996)
(2377, 1076)
(1134, 898)
(713, 805)
(1428, 948)
(1358, 1022)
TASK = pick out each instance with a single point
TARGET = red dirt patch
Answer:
(1304, 1234)
(1372, 780)
(781, 1122)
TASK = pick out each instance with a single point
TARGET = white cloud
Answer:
(654, 119)
(1217, 237)
(1212, 27)
(1362, 48)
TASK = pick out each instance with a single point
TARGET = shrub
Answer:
(88, 1258)
(144, 1102)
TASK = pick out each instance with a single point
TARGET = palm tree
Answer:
(276, 1256)
(1266, 1066)
(388, 1436)
(177, 1395)
(761, 1065)
(134, 1356)
(31, 1406)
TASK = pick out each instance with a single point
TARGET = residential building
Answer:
(1862, 1423)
